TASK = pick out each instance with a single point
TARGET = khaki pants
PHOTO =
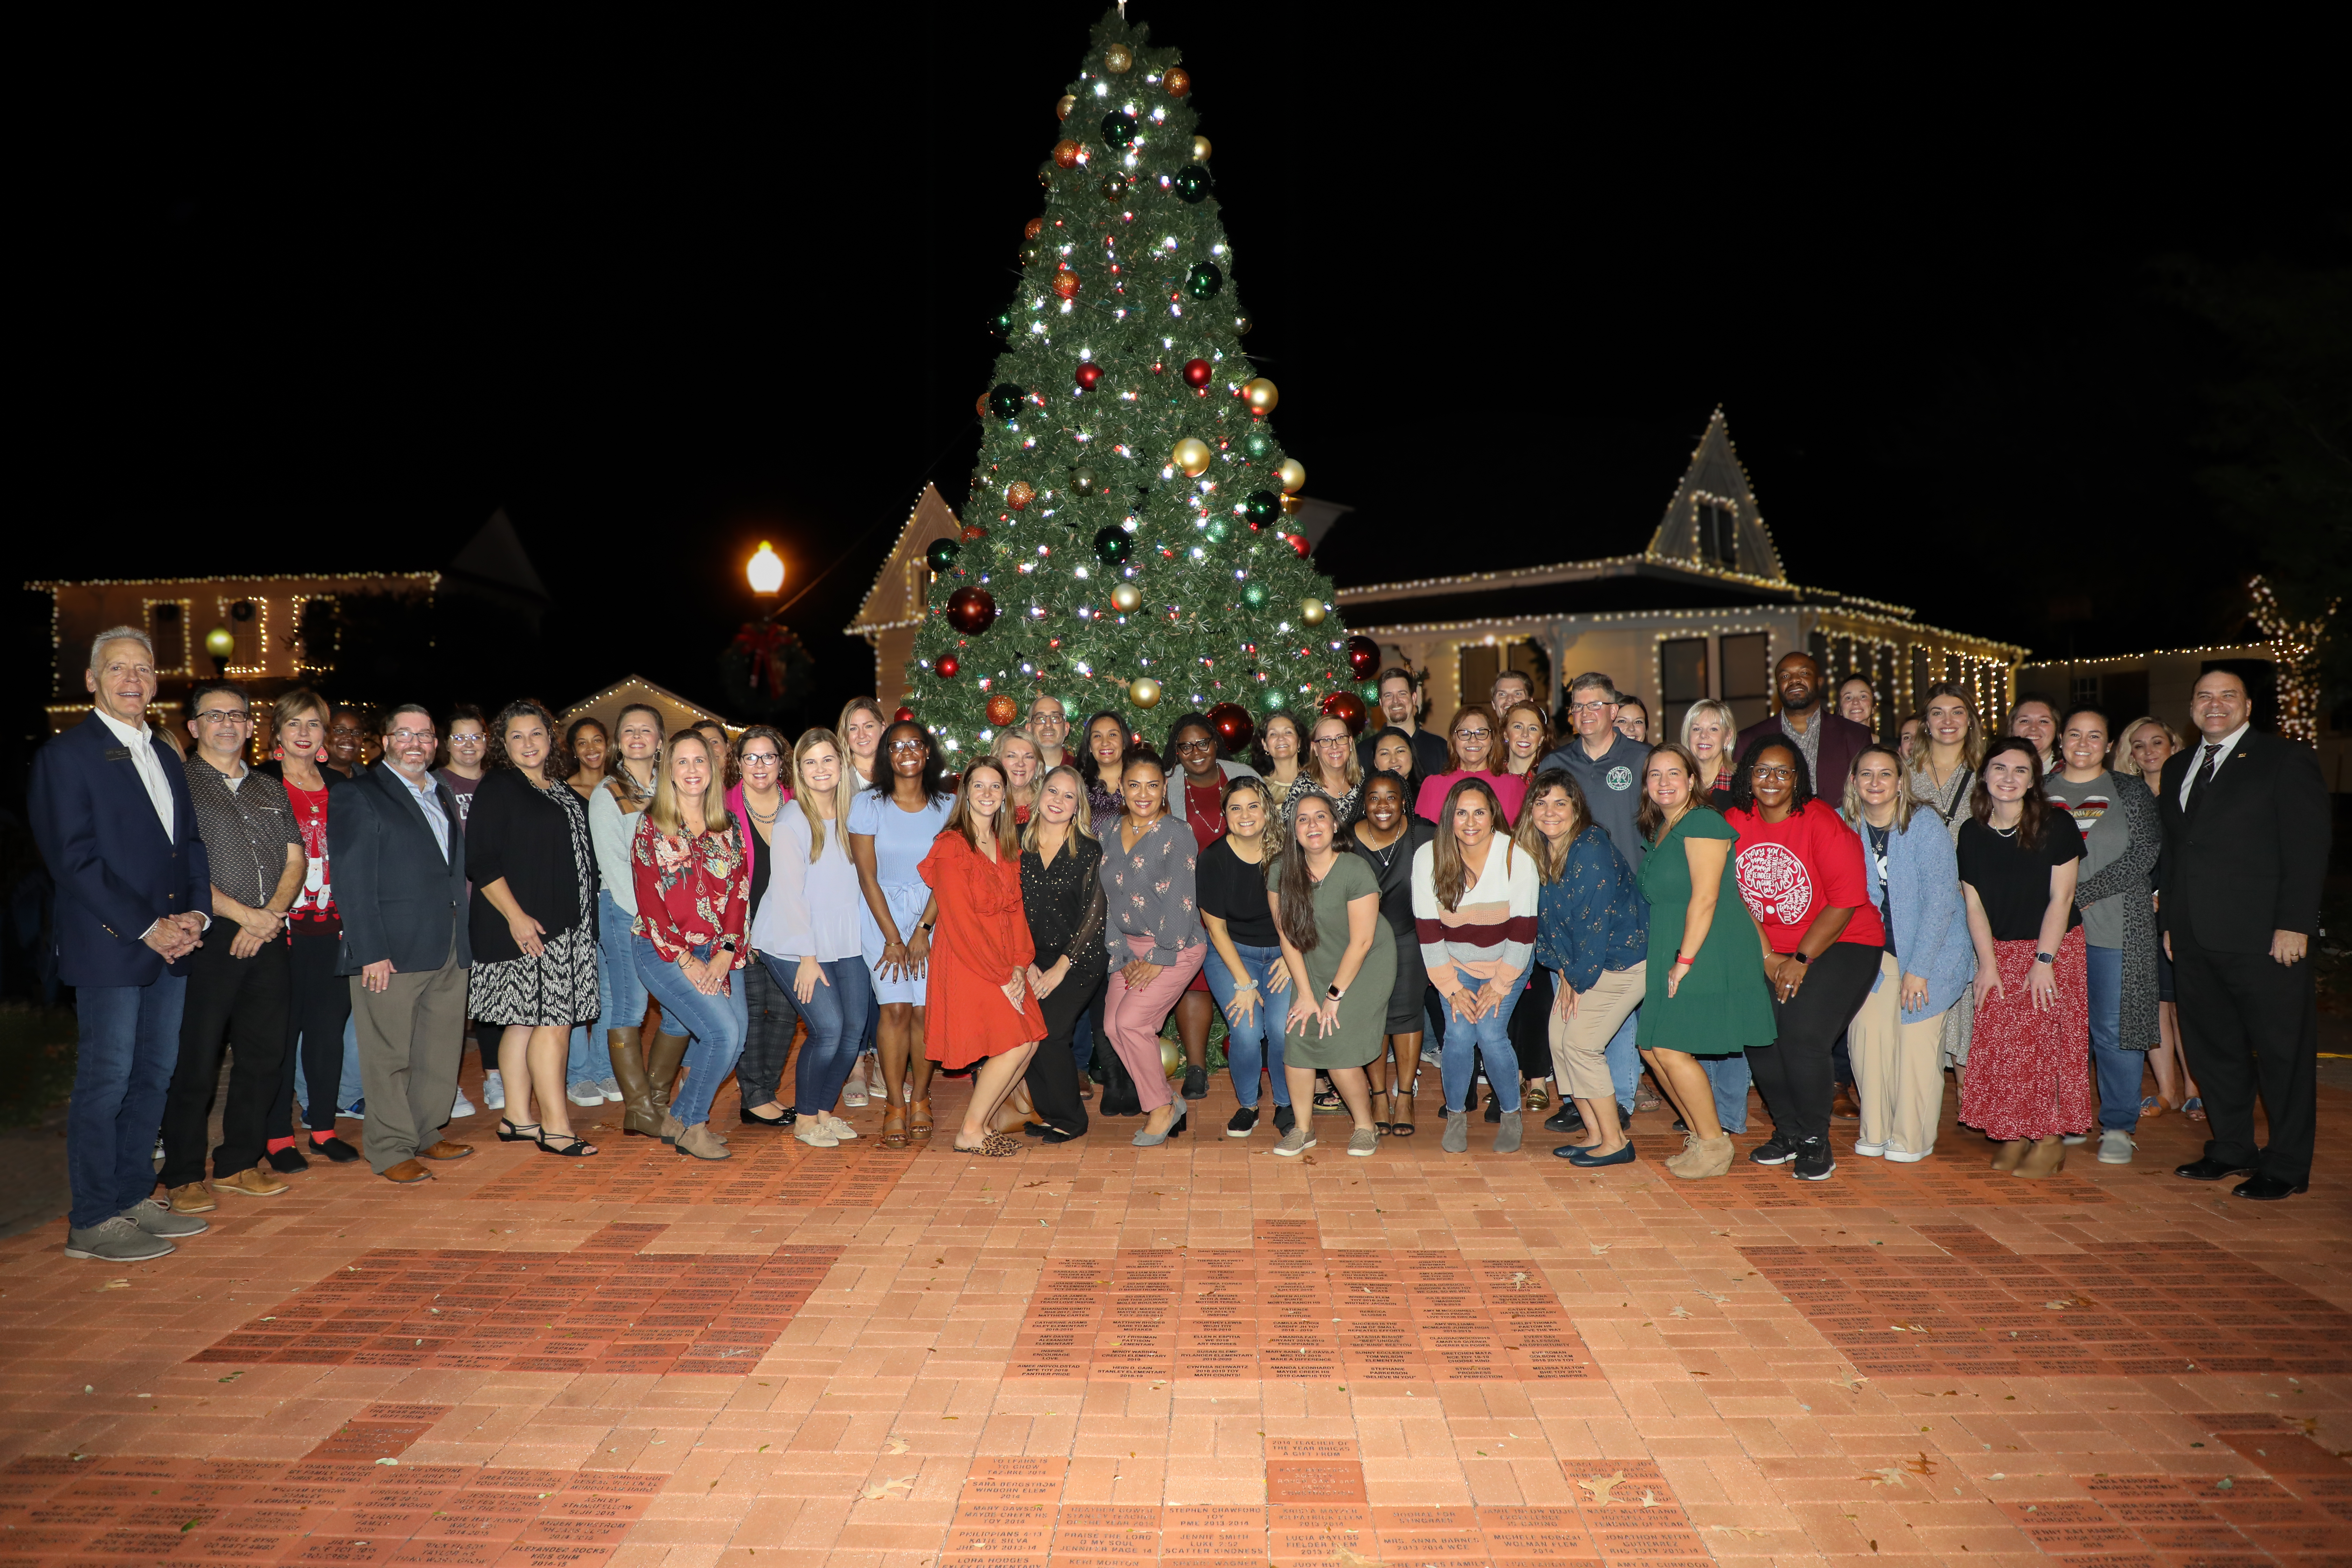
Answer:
(1898, 1067)
(409, 1035)
(1578, 1044)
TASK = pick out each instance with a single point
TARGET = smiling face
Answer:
(1106, 738)
(469, 740)
(1772, 777)
(121, 677)
(2086, 742)
(2151, 748)
(1474, 741)
(641, 735)
(1474, 818)
(1280, 739)
(1947, 720)
(761, 765)
(1196, 753)
(2220, 703)
(527, 741)
(1707, 736)
(1798, 680)
(909, 749)
(1913, 729)
(1877, 780)
(1021, 761)
(1667, 782)
(305, 731)
(2007, 775)
(1592, 711)
(689, 767)
(1396, 701)
(820, 771)
(2034, 721)
(1312, 824)
(1523, 732)
(1145, 788)
(345, 733)
(590, 747)
(1049, 725)
(1858, 702)
(1510, 689)
(1245, 812)
(1393, 754)
(1057, 798)
(220, 726)
(863, 732)
(1633, 720)
(1332, 744)
(1383, 805)
(984, 787)
(1554, 813)
(409, 743)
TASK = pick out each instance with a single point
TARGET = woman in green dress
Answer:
(1706, 995)
(1342, 961)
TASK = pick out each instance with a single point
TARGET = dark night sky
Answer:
(661, 287)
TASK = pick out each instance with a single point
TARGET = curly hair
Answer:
(1743, 783)
(556, 766)
(886, 778)
(571, 743)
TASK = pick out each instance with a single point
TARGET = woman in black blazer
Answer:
(533, 921)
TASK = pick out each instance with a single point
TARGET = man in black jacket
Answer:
(400, 884)
(2246, 848)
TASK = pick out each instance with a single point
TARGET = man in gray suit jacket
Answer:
(400, 884)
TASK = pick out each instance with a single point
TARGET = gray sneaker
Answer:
(2116, 1147)
(1457, 1132)
(1363, 1140)
(117, 1240)
(1506, 1141)
(155, 1217)
(1298, 1141)
(612, 1088)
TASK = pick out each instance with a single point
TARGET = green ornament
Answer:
(1082, 479)
(942, 553)
(1273, 699)
(1254, 594)
(1001, 326)
(1216, 530)
(1261, 506)
(1004, 400)
(1118, 128)
(1114, 188)
(1203, 281)
(1191, 184)
(1112, 546)
(1258, 444)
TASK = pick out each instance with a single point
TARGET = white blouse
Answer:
(812, 908)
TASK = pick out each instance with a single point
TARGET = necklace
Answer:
(757, 816)
(2008, 832)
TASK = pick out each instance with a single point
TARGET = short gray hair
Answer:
(119, 634)
(1709, 708)
(1590, 679)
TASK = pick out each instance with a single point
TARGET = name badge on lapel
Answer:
(116, 753)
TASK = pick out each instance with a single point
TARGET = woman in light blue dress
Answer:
(891, 825)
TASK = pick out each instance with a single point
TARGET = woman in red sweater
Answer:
(980, 1005)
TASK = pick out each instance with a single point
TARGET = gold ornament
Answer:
(1177, 81)
(1193, 456)
(1293, 505)
(1200, 149)
(1260, 395)
(1119, 60)
(1062, 109)
(1293, 475)
(1143, 691)
(1171, 1059)
(1312, 611)
(1125, 599)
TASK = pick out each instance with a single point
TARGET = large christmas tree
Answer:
(1126, 542)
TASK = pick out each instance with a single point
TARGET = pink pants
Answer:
(1132, 1018)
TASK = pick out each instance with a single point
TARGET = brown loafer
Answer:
(193, 1198)
(444, 1150)
(255, 1183)
(407, 1170)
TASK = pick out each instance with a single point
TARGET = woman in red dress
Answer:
(981, 1007)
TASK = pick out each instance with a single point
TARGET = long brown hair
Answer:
(1493, 740)
(495, 754)
(1269, 837)
(1448, 873)
(2030, 809)
(663, 812)
(963, 821)
(1649, 816)
(1295, 889)
(1973, 744)
(1551, 860)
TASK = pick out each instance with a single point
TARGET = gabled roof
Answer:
(637, 688)
(900, 596)
(1715, 481)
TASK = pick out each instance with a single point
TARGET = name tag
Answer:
(117, 754)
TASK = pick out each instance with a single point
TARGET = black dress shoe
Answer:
(2209, 1169)
(288, 1161)
(337, 1150)
(2269, 1189)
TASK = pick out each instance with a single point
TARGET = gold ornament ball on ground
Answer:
(1171, 1059)
(1260, 395)
(1193, 456)
(1312, 611)
(1293, 475)
(1119, 60)
(1143, 691)
(1125, 599)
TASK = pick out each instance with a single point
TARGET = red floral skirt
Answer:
(2028, 1073)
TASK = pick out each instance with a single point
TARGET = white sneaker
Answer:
(809, 1132)
(461, 1106)
(2116, 1147)
(1870, 1150)
(494, 1091)
(1905, 1156)
(587, 1093)
(612, 1089)
(853, 1093)
(841, 1132)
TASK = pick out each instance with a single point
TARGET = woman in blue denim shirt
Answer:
(1245, 962)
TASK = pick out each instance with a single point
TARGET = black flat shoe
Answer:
(2209, 1169)
(1034, 1129)
(288, 1161)
(337, 1150)
(743, 1114)
(2269, 1189)
(1196, 1083)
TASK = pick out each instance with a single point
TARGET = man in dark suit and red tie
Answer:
(2246, 829)
(117, 829)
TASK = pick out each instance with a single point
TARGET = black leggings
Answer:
(320, 1005)
(1793, 1072)
(1052, 1075)
(1530, 1025)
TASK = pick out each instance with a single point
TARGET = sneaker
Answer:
(1245, 1122)
(1363, 1140)
(1774, 1151)
(1814, 1161)
(853, 1093)
(2071, 1139)
(1298, 1141)
(612, 1088)
(840, 1132)
(1870, 1150)
(1905, 1156)
(2116, 1147)
(156, 1217)
(811, 1133)
(1196, 1083)
(461, 1106)
(586, 1092)
(1284, 1119)
(494, 1090)
(253, 1183)
(357, 1109)
(1567, 1119)
(116, 1240)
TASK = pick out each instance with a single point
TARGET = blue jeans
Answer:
(717, 1023)
(128, 1042)
(1255, 1046)
(619, 992)
(348, 1091)
(1729, 1078)
(2118, 1069)
(1467, 1041)
(836, 1016)
(1624, 1059)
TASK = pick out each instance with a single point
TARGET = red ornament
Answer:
(1177, 81)
(948, 667)
(1348, 708)
(1065, 284)
(1231, 722)
(1298, 543)
(974, 531)
(1002, 710)
(904, 716)
(1019, 494)
(1088, 373)
(1363, 657)
(1157, 369)
(1066, 153)
(1197, 372)
(972, 611)
(1033, 229)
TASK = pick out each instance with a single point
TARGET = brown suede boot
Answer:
(698, 1142)
(1703, 1159)
(640, 1117)
(2047, 1158)
(2005, 1157)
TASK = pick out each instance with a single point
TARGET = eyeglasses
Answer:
(1761, 771)
(761, 758)
(1474, 734)
(909, 746)
(225, 716)
(1589, 707)
(1192, 746)
(412, 737)
(1331, 739)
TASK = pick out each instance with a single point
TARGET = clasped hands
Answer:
(174, 937)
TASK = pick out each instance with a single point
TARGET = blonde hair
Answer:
(1907, 799)
(962, 822)
(2124, 763)
(1079, 826)
(845, 786)
(1351, 770)
(664, 814)
(1710, 708)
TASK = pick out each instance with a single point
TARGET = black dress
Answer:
(1392, 868)
(1064, 904)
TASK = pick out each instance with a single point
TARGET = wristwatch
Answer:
(1333, 993)
(1799, 956)
(2046, 958)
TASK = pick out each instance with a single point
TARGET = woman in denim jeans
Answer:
(1474, 897)
(1245, 965)
(613, 811)
(807, 933)
(693, 885)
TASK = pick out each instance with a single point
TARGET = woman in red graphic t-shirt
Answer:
(321, 1002)
(1798, 867)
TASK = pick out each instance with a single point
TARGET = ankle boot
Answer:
(2047, 1158)
(1702, 1159)
(662, 1059)
(639, 1116)
(2005, 1157)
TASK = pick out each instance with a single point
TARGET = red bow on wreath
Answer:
(763, 643)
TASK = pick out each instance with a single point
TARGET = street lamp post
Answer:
(766, 571)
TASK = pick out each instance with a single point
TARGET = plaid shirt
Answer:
(246, 830)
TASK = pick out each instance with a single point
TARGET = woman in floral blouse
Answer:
(693, 887)
(1155, 937)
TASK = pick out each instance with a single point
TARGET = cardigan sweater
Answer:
(1931, 913)
(516, 834)
(1594, 918)
(1491, 931)
(2125, 879)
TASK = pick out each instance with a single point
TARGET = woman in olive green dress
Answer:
(1706, 995)
(1342, 961)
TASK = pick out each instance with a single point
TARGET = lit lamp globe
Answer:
(766, 570)
(220, 642)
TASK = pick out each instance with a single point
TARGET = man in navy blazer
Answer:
(399, 855)
(117, 829)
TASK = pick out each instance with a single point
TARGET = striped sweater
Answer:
(1491, 933)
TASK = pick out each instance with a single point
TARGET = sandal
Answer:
(2194, 1108)
(996, 1146)
(919, 1118)
(1400, 1103)
(577, 1147)
(2148, 1104)
(894, 1128)
(511, 1133)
